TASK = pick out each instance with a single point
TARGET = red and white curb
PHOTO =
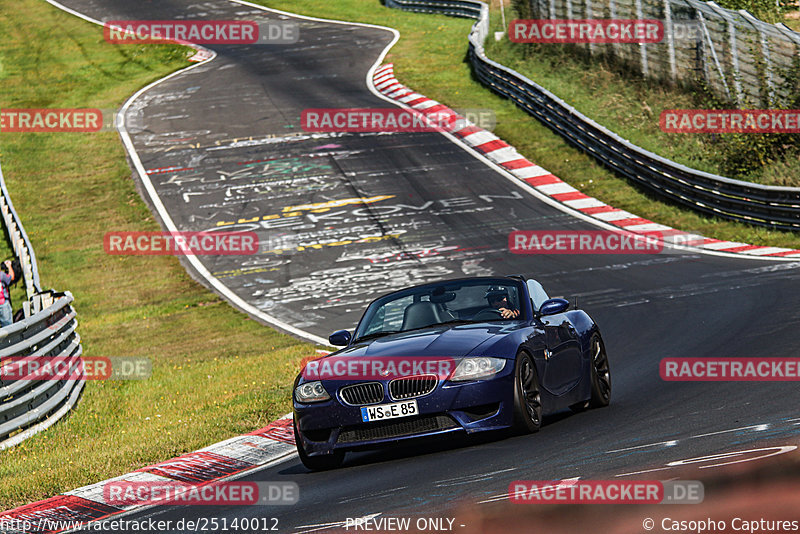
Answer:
(506, 156)
(231, 458)
(201, 54)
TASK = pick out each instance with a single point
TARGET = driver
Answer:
(497, 297)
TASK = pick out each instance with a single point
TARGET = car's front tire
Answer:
(527, 396)
(317, 463)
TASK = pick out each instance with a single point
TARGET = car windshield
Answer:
(448, 302)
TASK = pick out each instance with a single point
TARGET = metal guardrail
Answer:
(457, 8)
(770, 206)
(48, 330)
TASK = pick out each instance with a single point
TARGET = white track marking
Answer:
(325, 526)
(659, 443)
(725, 455)
(469, 479)
(642, 472)
(755, 428)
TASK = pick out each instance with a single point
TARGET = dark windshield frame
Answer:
(526, 311)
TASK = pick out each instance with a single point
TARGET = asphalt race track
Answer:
(224, 149)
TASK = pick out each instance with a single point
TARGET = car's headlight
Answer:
(478, 368)
(311, 392)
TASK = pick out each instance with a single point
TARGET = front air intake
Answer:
(412, 386)
(362, 394)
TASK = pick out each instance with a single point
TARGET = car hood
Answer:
(445, 340)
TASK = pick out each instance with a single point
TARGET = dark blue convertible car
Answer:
(457, 356)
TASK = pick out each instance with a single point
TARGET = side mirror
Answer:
(553, 306)
(340, 338)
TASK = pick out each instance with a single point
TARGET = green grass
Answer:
(444, 75)
(792, 19)
(216, 373)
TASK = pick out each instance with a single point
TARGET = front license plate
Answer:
(389, 411)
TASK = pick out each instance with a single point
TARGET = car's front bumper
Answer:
(453, 407)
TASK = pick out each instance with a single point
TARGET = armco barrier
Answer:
(771, 206)
(28, 406)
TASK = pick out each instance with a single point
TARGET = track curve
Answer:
(435, 211)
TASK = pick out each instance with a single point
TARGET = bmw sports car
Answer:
(457, 356)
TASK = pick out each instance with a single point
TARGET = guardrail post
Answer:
(758, 26)
(794, 38)
(589, 15)
(710, 44)
(612, 6)
(737, 84)
(673, 69)
(642, 46)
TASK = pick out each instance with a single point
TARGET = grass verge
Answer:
(445, 75)
(792, 19)
(216, 373)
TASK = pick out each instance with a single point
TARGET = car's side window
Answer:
(538, 295)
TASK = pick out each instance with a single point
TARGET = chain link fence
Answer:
(739, 58)
(763, 205)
